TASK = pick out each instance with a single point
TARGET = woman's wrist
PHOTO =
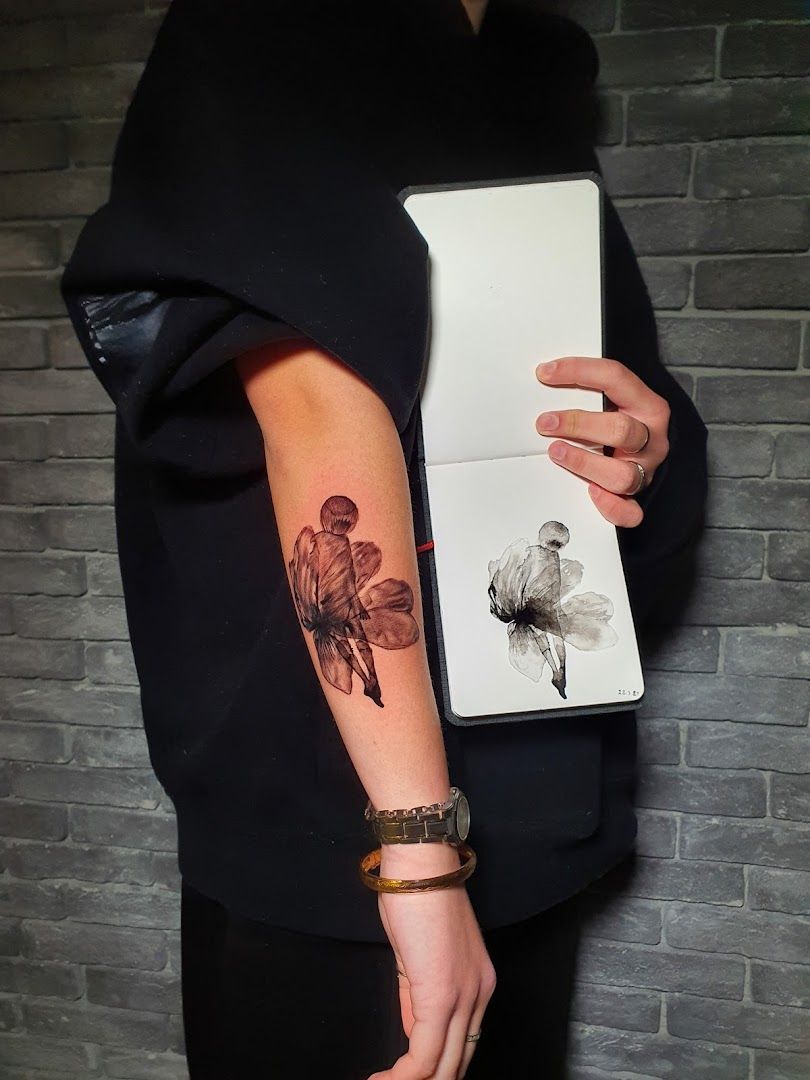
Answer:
(418, 860)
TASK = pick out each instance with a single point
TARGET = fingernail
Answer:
(558, 451)
(548, 420)
(547, 368)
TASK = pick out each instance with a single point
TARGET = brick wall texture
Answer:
(696, 961)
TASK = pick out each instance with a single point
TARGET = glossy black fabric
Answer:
(260, 1000)
(248, 201)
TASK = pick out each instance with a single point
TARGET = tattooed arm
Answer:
(341, 498)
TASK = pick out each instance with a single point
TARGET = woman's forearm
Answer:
(341, 498)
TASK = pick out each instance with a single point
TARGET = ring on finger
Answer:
(642, 478)
(646, 440)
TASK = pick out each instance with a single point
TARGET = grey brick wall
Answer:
(696, 961)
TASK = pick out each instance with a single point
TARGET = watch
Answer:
(448, 821)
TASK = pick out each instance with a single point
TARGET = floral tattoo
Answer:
(329, 581)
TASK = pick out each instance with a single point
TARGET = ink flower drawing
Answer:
(526, 591)
(330, 581)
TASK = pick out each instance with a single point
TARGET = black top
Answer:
(254, 192)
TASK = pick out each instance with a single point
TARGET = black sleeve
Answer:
(657, 554)
(243, 207)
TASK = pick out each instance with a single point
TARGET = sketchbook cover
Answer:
(530, 598)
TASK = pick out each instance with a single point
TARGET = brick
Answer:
(658, 741)
(92, 142)
(55, 575)
(81, 436)
(149, 992)
(718, 111)
(786, 984)
(6, 616)
(722, 840)
(57, 482)
(609, 119)
(737, 451)
(779, 890)
(671, 56)
(789, 556)
(687, 648)
(790, 797)
(53, 392)
(146, 1065)
(51, 94)
(23, 10)
(657, 835)
(27, 820)
(737, 1023)
(23, 347)
(731, 553)
(111, 748)
(766, 49)
(25, 742)
(676, 227)
(28, 247)
(104, 578)
(624, 920)
(673, 879)
(660, 13)
(91, 528)
(740, 170)
(650, 1054)
(710, 341)
(122, 905)
(749, 652)
(765, 935)
(626, 1009)
(69, 703)
(43, 1053)
(27, 900)
(115, 786)
(39, 979)
(97, 618)
(33, 45)
(793, 454)
(702, 791)
(79, 863)
(754, 398)
(22, 530)
(758, 504)
(773, 1066)
(63, 346)
(764, 281)
(111, 38)
(24, 658)
(114, 1027)
(93, 943)
(166, 873)
(721, 602)
(56, 193)
(111, 663)
(145, 830)
(668, 282)
(747, 746)
(103, 90)
(25, 147)
(22, 440)
(653, 968)
(23, 295)
(700, 696)
(596, 16)
(645, 170)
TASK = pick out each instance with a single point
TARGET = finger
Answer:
(456, 1042)
(624, 388)
(617, 509)
(425, 1045)
(607, 428)
(476, 1023)
(618, 475)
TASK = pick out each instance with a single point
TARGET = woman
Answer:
(255, 300)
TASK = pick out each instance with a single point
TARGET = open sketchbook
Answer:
(531, 603)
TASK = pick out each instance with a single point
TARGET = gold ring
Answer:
(642, 477)
(475, 1037)
(646, 438)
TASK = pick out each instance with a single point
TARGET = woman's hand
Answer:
(614, 480)
(449, 977)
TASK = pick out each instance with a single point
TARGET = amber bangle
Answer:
(372, 861)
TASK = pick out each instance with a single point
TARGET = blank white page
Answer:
(515, 280)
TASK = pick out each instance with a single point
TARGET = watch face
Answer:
(462, 817)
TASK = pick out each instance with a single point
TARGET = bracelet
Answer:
(442, 881)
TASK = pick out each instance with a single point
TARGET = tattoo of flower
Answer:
(330, 576)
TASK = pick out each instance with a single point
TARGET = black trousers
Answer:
(259, 1000)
